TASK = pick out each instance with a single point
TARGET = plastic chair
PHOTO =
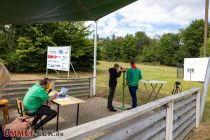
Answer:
(4, 107)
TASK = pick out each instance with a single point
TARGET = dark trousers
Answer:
(111, 96)
(132, 90)
(43, 110)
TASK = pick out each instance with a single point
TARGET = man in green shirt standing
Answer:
(132, 79)
(33, 103)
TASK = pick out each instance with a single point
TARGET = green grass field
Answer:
(164, 73)
(149, 73)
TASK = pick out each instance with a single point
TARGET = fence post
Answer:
(169, 121)
(197, 109)
(91, 86)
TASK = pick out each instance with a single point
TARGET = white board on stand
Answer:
(195, 69)
(58, 58)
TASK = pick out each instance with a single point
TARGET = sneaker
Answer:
(112, 110)
(109, 107)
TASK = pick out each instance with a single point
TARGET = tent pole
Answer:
(95, 59)
(205, 90)
(207, 76)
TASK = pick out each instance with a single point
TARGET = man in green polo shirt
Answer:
(132, 79)
(34, 100)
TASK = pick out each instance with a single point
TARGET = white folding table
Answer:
(154, 85)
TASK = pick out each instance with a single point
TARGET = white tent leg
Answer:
(207, 76)
(205, 89)
(95, 59)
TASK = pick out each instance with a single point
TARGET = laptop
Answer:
(63, 92)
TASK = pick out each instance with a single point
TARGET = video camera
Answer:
(177, 83)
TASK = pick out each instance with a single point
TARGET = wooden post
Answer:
(206, 28)
(169, 121)
(197, 123)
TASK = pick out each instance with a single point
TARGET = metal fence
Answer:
(180, 70)
(18, 88)
(172, 117)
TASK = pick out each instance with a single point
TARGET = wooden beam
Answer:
(185, 125)
(159, 136)
(169, 121)
(148, 133)
(180, 121)
(89, 128)
(182, 103)
(198, 110)
(132, 127)
(185, 109)
(185, 132)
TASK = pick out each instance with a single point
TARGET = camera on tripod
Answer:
(177, 83)
(177, 87)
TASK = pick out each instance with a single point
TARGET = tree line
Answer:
(168, 49)
(23, 47)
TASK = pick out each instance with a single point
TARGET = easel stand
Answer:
(123, 106)
(58, 74)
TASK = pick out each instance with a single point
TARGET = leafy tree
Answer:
(141, 40)
(169, 45)
(26, 44)
(192, 38)
(150, 52)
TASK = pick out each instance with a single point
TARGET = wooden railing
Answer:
(172, 117)
(18, 88)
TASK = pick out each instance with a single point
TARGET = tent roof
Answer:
(36, 11)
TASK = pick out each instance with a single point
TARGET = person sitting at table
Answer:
(33, 103)
(132, 79)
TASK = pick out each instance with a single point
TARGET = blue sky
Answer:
(154, 17)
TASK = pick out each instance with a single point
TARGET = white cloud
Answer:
(153, 17)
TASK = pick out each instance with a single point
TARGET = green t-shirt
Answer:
(34, 98)
(133, 76)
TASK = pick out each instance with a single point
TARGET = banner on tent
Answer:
(58, 58)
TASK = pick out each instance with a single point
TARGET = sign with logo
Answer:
(58, 58)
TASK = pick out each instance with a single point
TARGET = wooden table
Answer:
(68, 100)
(153, 84)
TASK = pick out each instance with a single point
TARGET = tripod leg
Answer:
(176, 90)
(172, 92)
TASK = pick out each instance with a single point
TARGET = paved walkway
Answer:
(94, 108)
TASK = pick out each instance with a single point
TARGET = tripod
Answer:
(123, 106)
(177, 88)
